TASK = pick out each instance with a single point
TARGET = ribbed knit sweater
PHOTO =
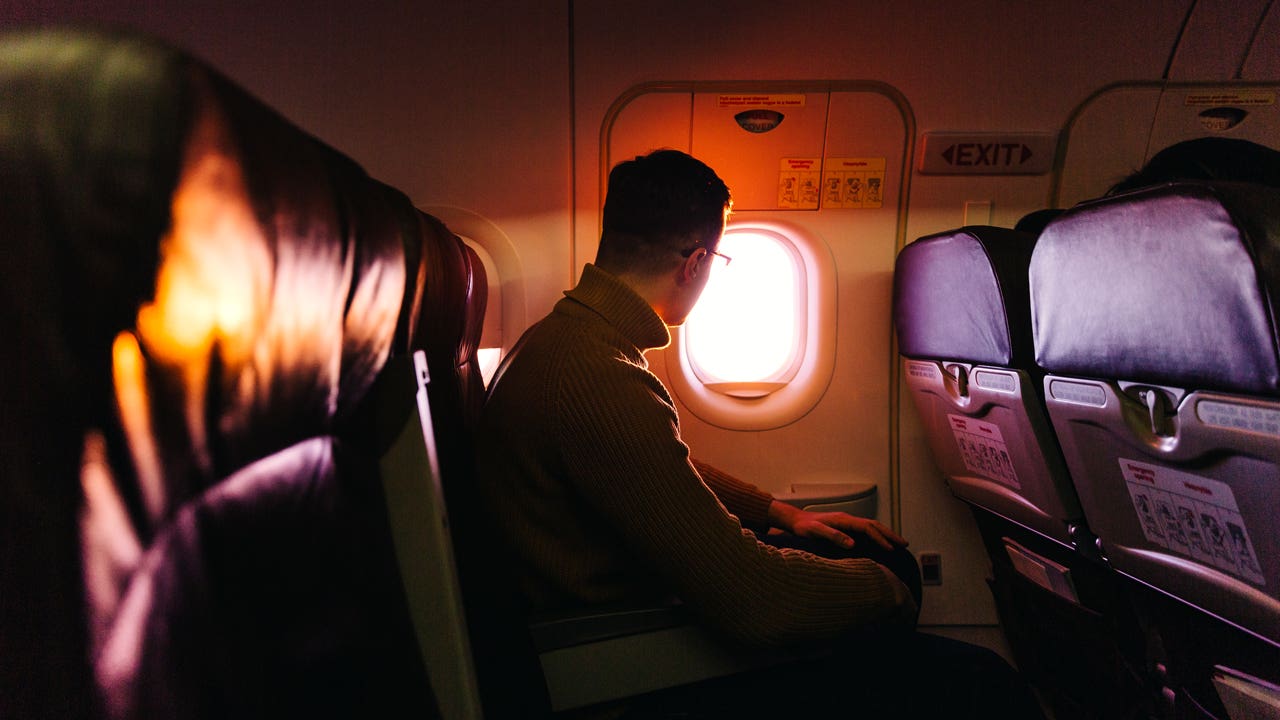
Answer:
(593, 491)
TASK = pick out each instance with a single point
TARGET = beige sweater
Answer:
(596, 496)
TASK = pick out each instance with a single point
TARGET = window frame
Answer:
(767, 405)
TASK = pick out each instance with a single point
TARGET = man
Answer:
(582, 464)
(583, 471)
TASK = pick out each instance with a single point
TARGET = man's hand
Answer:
(834, 527)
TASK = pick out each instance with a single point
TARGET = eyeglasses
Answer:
(722, 256)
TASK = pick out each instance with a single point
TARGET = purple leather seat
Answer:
(963, 320)
(1155, 316)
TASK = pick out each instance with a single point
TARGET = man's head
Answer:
(658, 207)
(664, 214)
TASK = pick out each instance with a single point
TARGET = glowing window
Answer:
(745, 337)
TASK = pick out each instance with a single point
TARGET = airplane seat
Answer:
(1154, 314)
(962, 316)
(201, 297)
(79, 260)
(444, 329)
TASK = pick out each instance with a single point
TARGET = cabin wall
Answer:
(970, 66)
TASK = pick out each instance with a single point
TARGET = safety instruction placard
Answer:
(1192, 515)
(1237, 98)
(790, 100)
(983, 449)
(798, 180)
(849, 182)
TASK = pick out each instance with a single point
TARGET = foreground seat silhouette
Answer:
(201, 297)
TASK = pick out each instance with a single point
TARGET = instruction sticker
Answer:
(1237, 416)
(853, 183)
(761, 101)
(983, 450)
(798, 180)
(1192, 515)
(1238, 98)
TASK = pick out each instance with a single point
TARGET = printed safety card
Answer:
(1192, 515)
(983, 449)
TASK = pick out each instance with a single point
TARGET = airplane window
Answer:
(745, 337)
(490, 352)
(758, 350)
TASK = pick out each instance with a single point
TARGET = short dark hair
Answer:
(657, 207)
(1207, 158)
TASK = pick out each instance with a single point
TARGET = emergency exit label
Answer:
(798, 183)
(945, 153)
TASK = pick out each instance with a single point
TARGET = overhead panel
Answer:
(766, 146)
(1245, 111)
(650, 121)
(1106, 141)
(865, 143)
(1116, 131)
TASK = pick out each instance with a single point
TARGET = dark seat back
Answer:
(81, 219)
(202, 296)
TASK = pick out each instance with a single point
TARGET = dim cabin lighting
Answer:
(744, 337)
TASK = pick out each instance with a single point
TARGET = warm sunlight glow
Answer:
(488, 359)
(747, 326)
(129, 370)
(214, 266)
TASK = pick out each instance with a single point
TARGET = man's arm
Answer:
(758, 509)
(620, 445)
(835, 527)
(748, 502)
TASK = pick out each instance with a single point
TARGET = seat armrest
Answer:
(561, 629)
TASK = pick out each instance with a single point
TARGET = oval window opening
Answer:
(745, 337)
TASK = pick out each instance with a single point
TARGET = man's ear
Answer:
(692, 266)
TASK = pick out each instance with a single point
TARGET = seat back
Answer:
(962, 315)
(198, 482)
(1154, 313)
(80, 231)
(440, 529)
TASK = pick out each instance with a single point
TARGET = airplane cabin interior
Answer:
(1003, 276)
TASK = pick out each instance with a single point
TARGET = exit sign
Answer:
(947, 153)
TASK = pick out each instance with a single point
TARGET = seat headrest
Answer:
(962, 295)
(1173, 284)
(448, 317)
(241, 279)
(190, 278)
(279, 290)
